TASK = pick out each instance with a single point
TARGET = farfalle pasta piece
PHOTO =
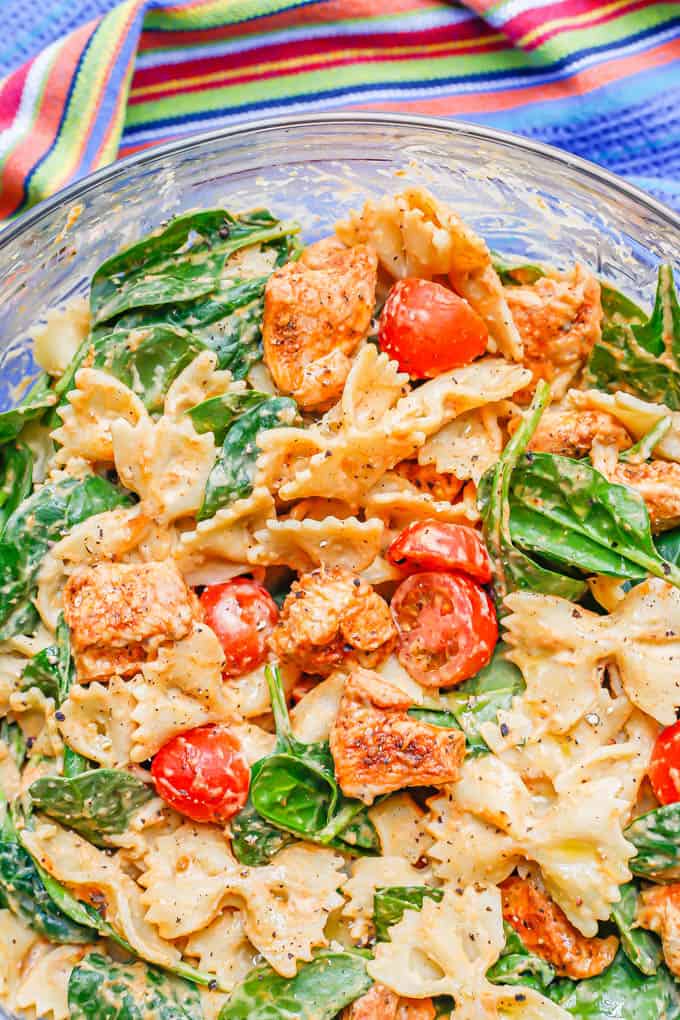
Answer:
(199, 381)
(11, 667)
(304, 545)
(250, 692)
(397, 502)
(446, 949)
(98, 400)
(489, 820)
(56, 342)
(561, 650)
(223, 949)
(166, 463)
(108, 536)
(44, 985)
(637, 416)
(10, 777)
(180, 689)
(467, 446)
(400, 824)
(414, 234)
(35, 714)
(87, 871)
(369, 874)
(16, 942)
(284, 905)
(98, 721)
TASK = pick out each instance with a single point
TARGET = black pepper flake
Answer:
(505, 729)
(59, 716)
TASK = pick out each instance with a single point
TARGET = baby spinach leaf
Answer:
(656, 837)
(13, 737)
(232, 476)
(42, 672)
(34, 404)
(514, 271)
(512, 568)
(100, 989)
(641, 947)
(97, 804)
(180, 262)
(319, 990)
(620, 992)
(16, 478)
(616, 307)
(217, 414)
(41, 519)
(147, 359)
(518, 966)
(253, 839)
(294, 789)
(237, 339)
(641, 355)
(390, 902)
(668, 546)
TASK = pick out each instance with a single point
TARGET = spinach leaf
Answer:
(518, 966)
(668, 546)
(477, 700)
(97, 804)
(217, 413)
(620, 992)
(390, 902)
(294, 789)
(512, 568)
(16, 478)
(641, 355)
(33, 405)
(100, 989)
(237, 339)
(656, 837)
(253, 839)
(52, 670)
(232, 476)
(43, 518)
(512, 270)
(616, 307)
(319, 990)
(179, 263)
(641, 947)
(147, 359)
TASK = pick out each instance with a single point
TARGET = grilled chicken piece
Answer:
(659, 910)
(316, 312)
(380, 1003)
(558, 318)
(572, 433)
(378, 747)
(330, 617)
(119, 613)
(546, 931)
(426, 479)
(658, 482)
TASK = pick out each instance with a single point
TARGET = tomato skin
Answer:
(437, 545)
(243, 614)
(447, 628)
(203, 774)
(427, 329)
(664, 767)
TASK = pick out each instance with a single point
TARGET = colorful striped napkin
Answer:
(599, 79)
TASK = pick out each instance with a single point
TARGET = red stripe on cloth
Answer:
(543, 37)
(11, 92)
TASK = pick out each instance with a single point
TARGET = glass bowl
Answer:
(523, 198)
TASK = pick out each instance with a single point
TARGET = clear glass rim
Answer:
(73, 192)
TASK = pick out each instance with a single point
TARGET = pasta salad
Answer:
(340, 634)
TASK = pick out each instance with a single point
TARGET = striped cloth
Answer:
(601, 79)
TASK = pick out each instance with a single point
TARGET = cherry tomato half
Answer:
(243, 614)
(203, 774)
(447, 628)
(664, 767)
(437, 545)
(428, 329)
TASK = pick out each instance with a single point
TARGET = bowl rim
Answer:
(77, 189)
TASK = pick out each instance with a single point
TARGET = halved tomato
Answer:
(447, 628)
(438, 545)
(243, 614)
(664, 767)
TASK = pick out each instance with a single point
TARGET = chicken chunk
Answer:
(658, 482)
(430, 481)
(331, 617)
(316, 312)
(558, 318)
(545, 930)
(572, 433)
(659, 910)
(378, 747)
(380, 1003)
(119, 613)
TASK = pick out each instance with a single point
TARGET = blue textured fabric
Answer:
(28, 26)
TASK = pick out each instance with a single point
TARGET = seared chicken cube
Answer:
(558, 318)
(316, 312)
(545, 930)
(119, 613)
(659, 910)
(658, 482)
(330, 617)
(572, 433)
(378, 747)
(380, 1003)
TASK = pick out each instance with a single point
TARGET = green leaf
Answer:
(513, 270)
(232, 476)
(390, 903)
(237, 339)
(620, 992)
(319, 990)
(52, 669)
(668, 546)
(97, 804)
(512, 568)
(641, 947)
(181, 262)
(13, 737)
(616, 307)
(518, 966)
(642, 355)
(217, 414)
(34, 404)
(656, 837)
(253, 839)
(41, 519)
(100, 989)
(16, 478)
